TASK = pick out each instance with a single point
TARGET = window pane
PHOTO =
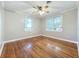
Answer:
(49, 24)
(54, 24)
(58, 23)
(28, 24)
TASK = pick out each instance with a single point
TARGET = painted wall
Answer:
(78, 30)
(1, 26)
(69, 27)
(0, 29)
(15, 26)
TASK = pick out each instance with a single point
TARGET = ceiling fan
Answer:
(43, 8)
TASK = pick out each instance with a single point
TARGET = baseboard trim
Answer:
(60, 39)
(1, 48)
(21, 38)
(40, 35)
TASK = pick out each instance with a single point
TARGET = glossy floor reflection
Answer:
(39, 47)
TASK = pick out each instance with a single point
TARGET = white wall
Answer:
(1, 26)
(78, 30)
(0, 29)
(69, 27)
(15, 26)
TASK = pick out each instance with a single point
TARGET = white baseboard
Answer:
(20, 38)
(61, 39)
(39, 35)
(1, 49)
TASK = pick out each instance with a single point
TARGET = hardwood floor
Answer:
(39, 47)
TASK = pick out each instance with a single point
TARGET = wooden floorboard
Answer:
(40, 47)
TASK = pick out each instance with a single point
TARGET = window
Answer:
(28, 24)
(49, 25)
(54, 24)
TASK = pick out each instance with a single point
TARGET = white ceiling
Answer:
(27, 6)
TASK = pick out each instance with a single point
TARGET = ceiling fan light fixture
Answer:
(41, 12)
(42, 8)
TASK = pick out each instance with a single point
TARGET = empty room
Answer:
(39, 29)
